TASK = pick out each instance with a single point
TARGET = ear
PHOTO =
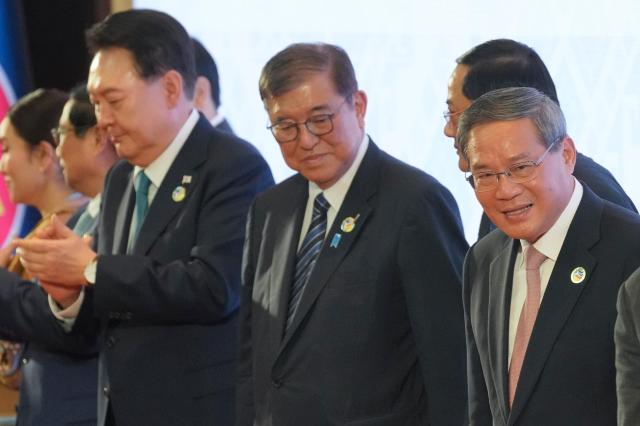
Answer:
(202, 92)
(172, 85)
(569, 153)
(45, 155)
(360, 105)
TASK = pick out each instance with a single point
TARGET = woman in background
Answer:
(58, 383)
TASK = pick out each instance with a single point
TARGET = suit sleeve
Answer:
(628, 351)
(25, 316)
(479, 408)
(431, 251)
(194, 275)
(245, 411)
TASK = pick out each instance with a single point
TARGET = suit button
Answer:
(25, 361)
(105, 391)
(111, 341)
(276, 383)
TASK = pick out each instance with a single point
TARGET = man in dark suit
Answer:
(207, 91)
(627, 338)
(507, 63)
(540, 293)
(351, 310)
(163, 288)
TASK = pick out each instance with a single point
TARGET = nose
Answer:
(450, 129)
(306, 139)
(506, 189)
(104, 116)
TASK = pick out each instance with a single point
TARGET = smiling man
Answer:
(540, 295)
(351, 307)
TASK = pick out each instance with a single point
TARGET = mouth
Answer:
(517, 212)
(313, 159)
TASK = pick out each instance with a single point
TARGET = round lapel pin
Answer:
(578, 275)
(178, 194)
(348, 224)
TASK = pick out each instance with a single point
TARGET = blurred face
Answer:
(132, 111)
(456, 104)
(19, 166)
(320, 159)
(522, 210)
(75, 153)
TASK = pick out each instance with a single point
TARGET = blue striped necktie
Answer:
(308, 254)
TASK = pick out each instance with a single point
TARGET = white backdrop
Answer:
(404, 51)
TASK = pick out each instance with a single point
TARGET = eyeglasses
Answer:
(318, 125)
(516, 173)
(448, 114)
(57, 132)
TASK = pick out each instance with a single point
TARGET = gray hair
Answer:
(514, 103)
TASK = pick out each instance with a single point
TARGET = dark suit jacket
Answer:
(568, 375)
(59, 371)
(627, 338)
(597, 178)
(224, 126)
(167, 311)
(378, 335)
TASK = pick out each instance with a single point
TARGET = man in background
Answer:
(207, 92)
(507, 63)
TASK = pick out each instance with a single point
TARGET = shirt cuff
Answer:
(67, 317)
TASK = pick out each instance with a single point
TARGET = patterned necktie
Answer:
(308, 254)
(142, 200)
(533, 261)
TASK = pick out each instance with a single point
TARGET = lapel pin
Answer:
(578, 275)
(335, 240)
(349, 223)
(178, 194)
(186, 179)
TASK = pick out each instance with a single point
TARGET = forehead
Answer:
(456, 80)
(111, 69)
(507, 140)
(314, 93)
(64, 117)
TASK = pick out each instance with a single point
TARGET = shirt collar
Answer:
(157, 170)
(93, 206)
(215, 121)
(551, 242)
(336, 193)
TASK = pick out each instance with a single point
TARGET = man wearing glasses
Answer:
(503, 63)
(540, 296)
(351, 306)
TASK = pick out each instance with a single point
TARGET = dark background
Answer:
(55, 39)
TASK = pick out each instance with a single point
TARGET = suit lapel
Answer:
(287, 234)
(123, 213)
(500, 281)
(561, 295)
(364, 185)
(182, 175)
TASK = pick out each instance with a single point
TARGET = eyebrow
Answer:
(512, 160)
(309, 113)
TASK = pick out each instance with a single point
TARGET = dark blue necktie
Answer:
(142, 200)
(308, 254)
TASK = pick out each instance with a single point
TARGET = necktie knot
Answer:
(142, 184)
(320, 205)
(533, 258)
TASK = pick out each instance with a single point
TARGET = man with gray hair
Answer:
(539, 297)
(351, 306)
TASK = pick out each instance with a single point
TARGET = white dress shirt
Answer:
(335, 194)
(550, 245)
